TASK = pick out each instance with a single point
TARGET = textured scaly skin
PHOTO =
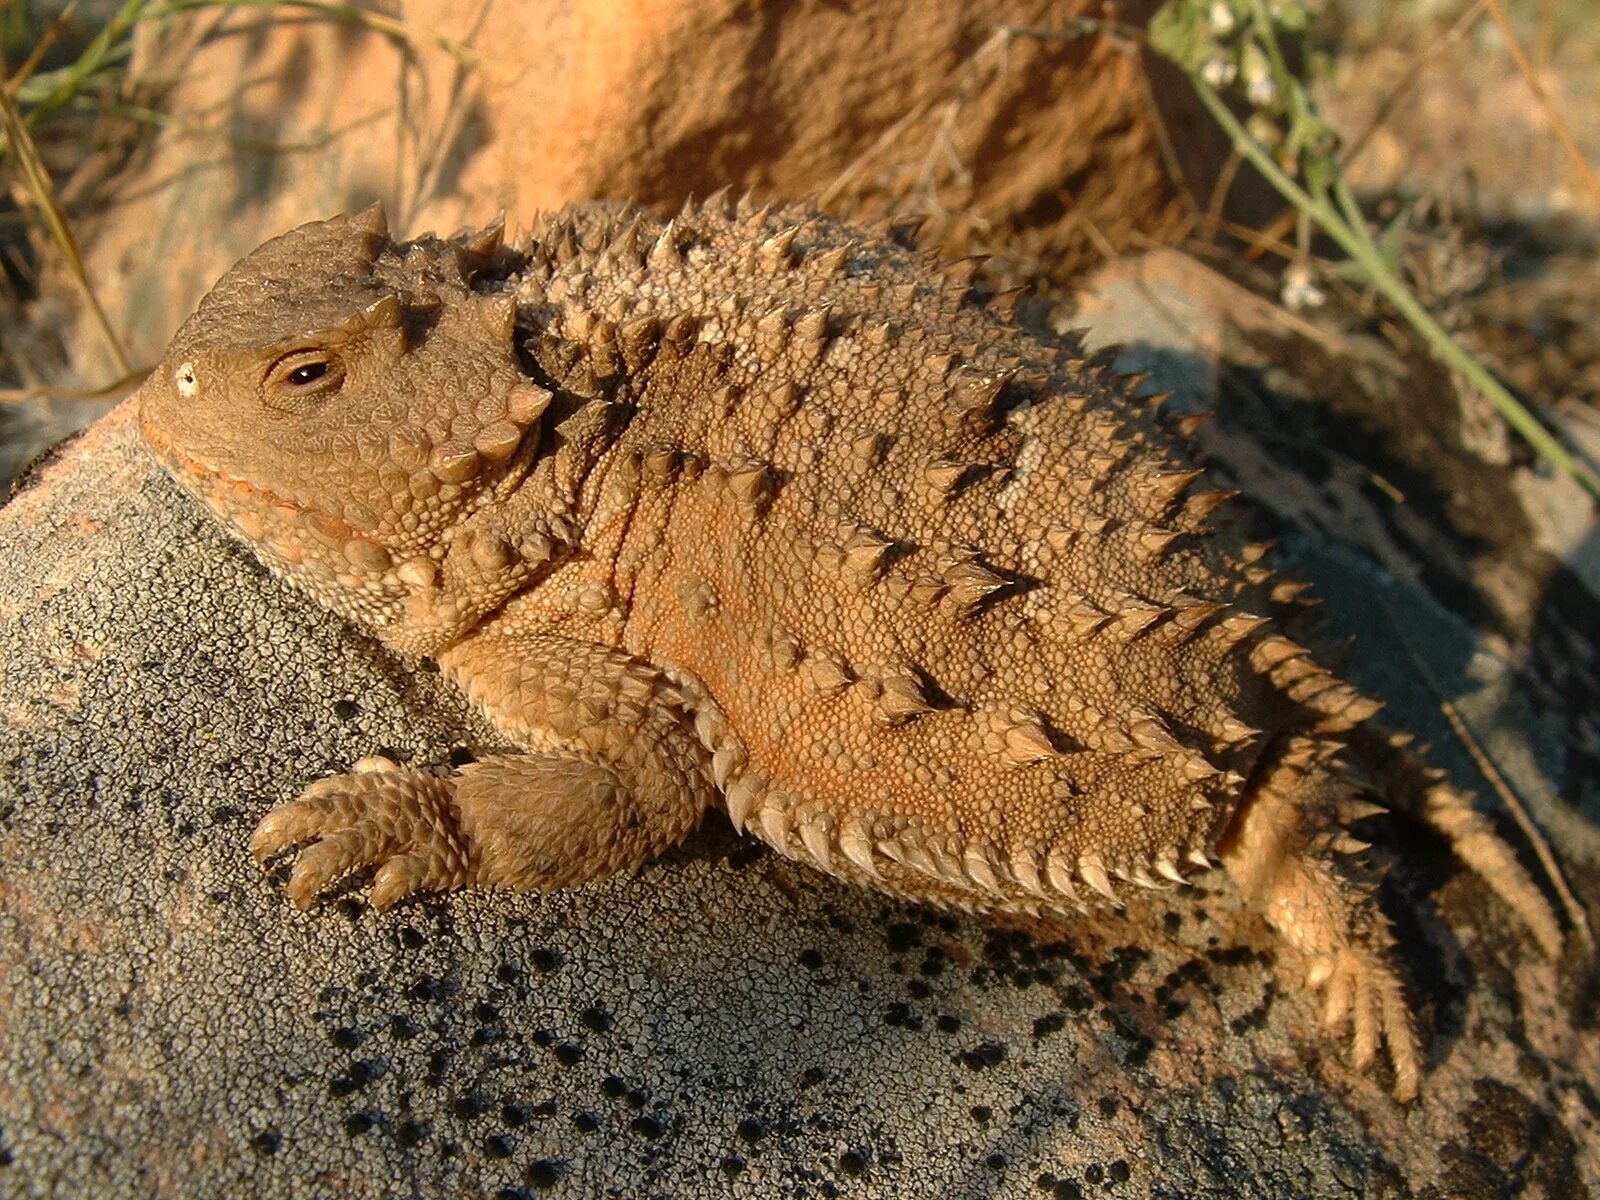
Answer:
(754, 508)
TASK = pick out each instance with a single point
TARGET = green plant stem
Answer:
(1353, 237)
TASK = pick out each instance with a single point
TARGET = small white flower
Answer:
(1300, 289)
(1221, 19)
(1262, 91)
(1219, 72)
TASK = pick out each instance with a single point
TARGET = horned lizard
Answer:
(754, 508)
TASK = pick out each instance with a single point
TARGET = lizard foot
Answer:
(1364, 992)
(401, 820)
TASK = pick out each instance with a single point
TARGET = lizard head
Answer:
(341, 402)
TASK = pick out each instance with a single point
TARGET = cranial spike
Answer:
(1150, 733)
(718, 202)
(813, 325)
(1153, 541)
(1343, 843)
(1189, 616)
(971, 583)
(1196, 768)
(776, 250)
(974, 400)
(1004, 304)
(903, 296)
(1202, 504)
(1134, 619)
(751, 483)
(1163, 487)
(1235, 732)
(664, 253)
(741, 796)
(856, 846)
(1238, 626)
(1188, 426)
(1288, 591)
(1025, 870)
(1273, 650)
(864, 555)
(1093, 872)
(902, 697)
(906, 230)
(1143, 878)
(815, 836)
(1167, 866)
(945, 474)
(1254, 552)
(1357, 809)
(979, 869)
(832, 260)
(1198, 857)
(776, 825)
(728, 759)
(1027, 742)
(1059, 871)
(638, 339)
(828, 672)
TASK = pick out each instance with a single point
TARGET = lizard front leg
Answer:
(613, 776)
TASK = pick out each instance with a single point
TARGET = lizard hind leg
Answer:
(1293, 864)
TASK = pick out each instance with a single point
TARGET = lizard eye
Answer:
(301, 376)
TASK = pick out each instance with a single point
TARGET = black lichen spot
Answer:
(345, 1037)
(1049, 1023)
(897, 1014)
(812, 1077)
(224, 814)
(514, 1115)
(428, 988)
(508, 973)
(597, 1020)
(750, 1130)
(1119, 1171)
(569, 1054)
(469, 1105)
(350, 907)
(486, 1012)
(902, 936)
(995, 1161)
(983, 1056)
(346, 710)
(412, 938)
(357, 1077)
(402, 1028)
(647, 1125)
(982, 1113)
(947, 1023)
(544, 960)
(461, 756)
(411, 1134)
(544, 1172)
(265, 1143)
(1108, 1108)
(544, 1038)
(498, 1145)
(810, 959)
(614, 1087)
(1066, 1189)
(585, 1122)
(357, 1124)
(852, 1162)
(732, 1165)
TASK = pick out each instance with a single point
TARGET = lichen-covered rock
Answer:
(723, 1023)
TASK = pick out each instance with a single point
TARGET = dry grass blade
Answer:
(79, 395)
(1552, 114)
(42, 47)
(26, 155)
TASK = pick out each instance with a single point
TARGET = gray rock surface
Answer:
(723, 1023)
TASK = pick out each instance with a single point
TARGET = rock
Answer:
(1042, 149)
(723, 1023)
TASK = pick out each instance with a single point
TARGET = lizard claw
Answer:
(400, 820)
(1365, 993)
